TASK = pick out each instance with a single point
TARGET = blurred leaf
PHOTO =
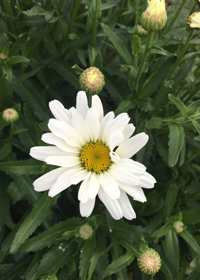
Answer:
(5, 150)
(136, 45)
(109, 4)
(4, 199)
(14, 193)
(166, 272)
(161, 51)
(170, 200)
(35, 218)
(39, 11)
(6, 94)
(17, 59)
(191, 216)
(124, 106)
(179, 104)
(196, 125)
(190, 240)
(20, 167)
(176, 141)
(119, 264)
(195, 274)
(118, 44)
(22, 77)
(155, 122)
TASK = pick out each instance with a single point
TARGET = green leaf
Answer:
(124, 106)
(21, 167)
(154, 122)
(118, 44)
(5, 150)
(170, 200)
(136, 45)
(161, 51)
(176, 141)
(38, 11)
(14, 193)
(4, 199)
(56, 258)
(49, 236)
(87, 251)
(196, 125)
(36, 217)
(6, 94)
(179, 104)
(195, 274)
(166, 272)
(191, 216)
(17, 59)
(190, 240)
(119, 264)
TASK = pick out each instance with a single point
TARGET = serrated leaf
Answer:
(118, 44)
(176, 141)
(179, 104)
(119, 264)
(49, 236)
(56, 258)
(21, 167)
(39, 11)
(35, 218)
(190, 240)
(87, 251)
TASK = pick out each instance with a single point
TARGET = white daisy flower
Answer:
(93, 149)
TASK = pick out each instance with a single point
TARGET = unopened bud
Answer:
(149, 261)
(92, 80)
(3, 56)
(85, 232)
(193, 22)
(10, 115)
(140, 31)
(178, 226)
(154, 17)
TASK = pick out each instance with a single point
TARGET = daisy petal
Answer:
(82, 192)
(128, 131)
(59, 111)
(113, 206)
(147, 181)
(46, 181)
(135, 191)
(131, 146)
(87, 208)
(93, 124)
(126, 206)
(131, 166)
(115, 139)
(42, 152)
(123, 176)
(110, 185)
(82, 103)
(97, 105)
(50, 138)
(94, 185)
(82, 174)
(65, 161)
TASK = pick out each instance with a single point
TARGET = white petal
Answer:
(52, 139)
(79, 124)
(65, 131)
(59, 111)
(131, 146)
(123, 176)
(126, 206)
(82, 192)
(147, 181)
(94, 185)
(128, 131)
(65, 161)
(112, 205)
(87, 208)
(105, 122)
(63, 181)
(82, 174)
(82, 103)
(97, 105)
(46, 181)
(42, 152)
(130, 165)
(135, 191)
(110, 185)
(93, 124)
(115, 139)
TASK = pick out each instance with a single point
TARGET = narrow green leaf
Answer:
(124, 106)
(136, 45)
(119, 264)
(17, 59)
(39, 11)
(118, 44)
(154, 122)
(176, 141)
(196, 125)
(191, 216)
(20, 167)
(161, 51)
(6, 94)
(22, 77)
(190, 240)
(166, 272)
(5, 150)
(14, 193)
(36, 217)
(170, 200)
(4, 199)
(179, 104)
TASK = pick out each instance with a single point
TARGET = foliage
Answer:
(41, 42)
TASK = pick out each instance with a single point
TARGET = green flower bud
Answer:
(193, 22)
(149, 261)
(10, 115)
(154, 17)
(3, 56)
(85, 232)
(92, 80)
(140, 31)
(178, 226)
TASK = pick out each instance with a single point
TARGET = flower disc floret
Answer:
(154, 17)
(95, 157)
(95, 151)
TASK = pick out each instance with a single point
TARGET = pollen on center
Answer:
(95, 157)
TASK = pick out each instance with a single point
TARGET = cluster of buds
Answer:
(193, 22)
(149, 261)
(154, 18)
(92, 80)
(10, 115)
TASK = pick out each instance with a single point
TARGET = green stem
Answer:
(74, 13)
(141, 67)
(171, 23)
(161, 94)
(95, 24)
(136, 61)
(11, 130)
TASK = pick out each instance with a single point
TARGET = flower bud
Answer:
(140, 31)
(3, 56)
(85, 232)
(10, 115)
(149, 261)
(193, 22)
(154, 17)
(178, 226)
(92, 80)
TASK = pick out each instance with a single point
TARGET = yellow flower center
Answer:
(95, 157)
